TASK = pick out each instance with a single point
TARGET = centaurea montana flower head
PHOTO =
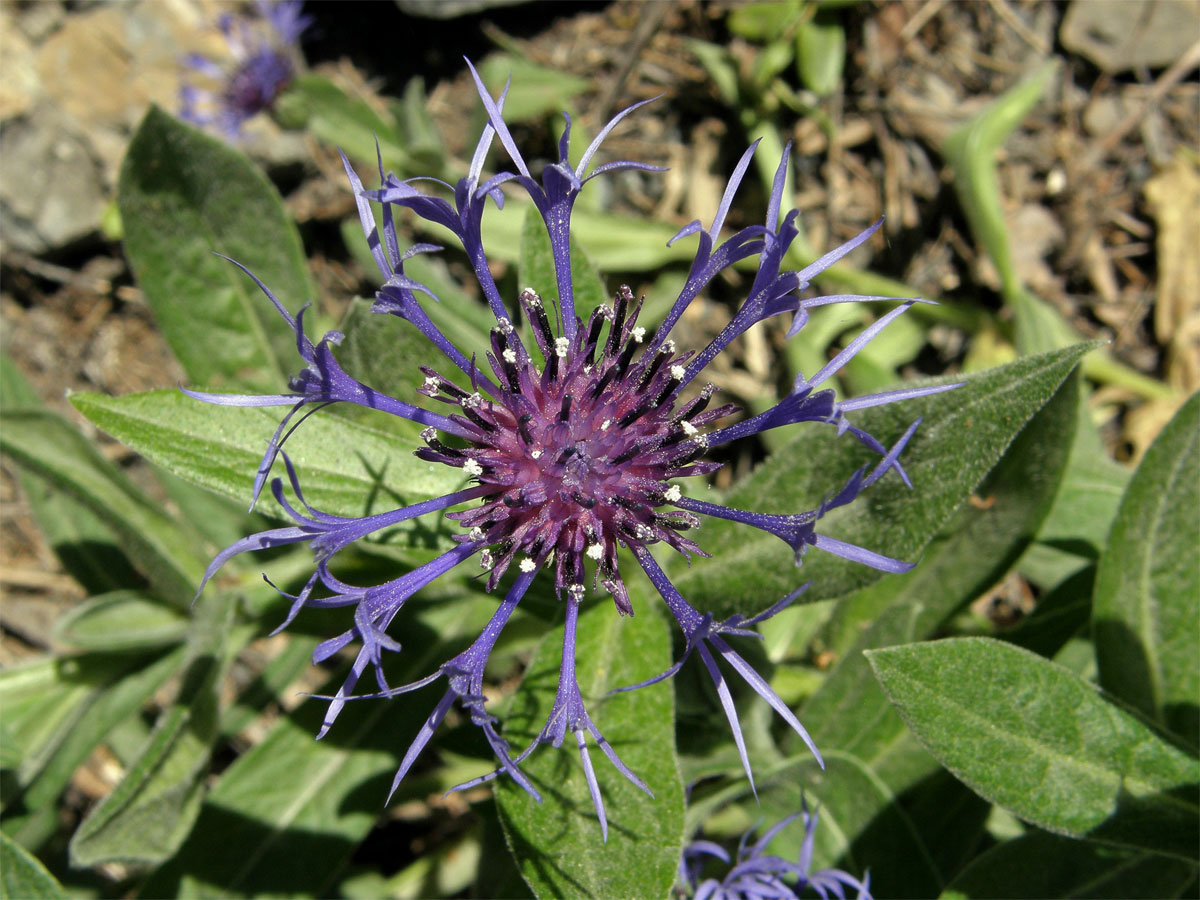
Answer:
(264, 45)
(757, 875)
(572, 446)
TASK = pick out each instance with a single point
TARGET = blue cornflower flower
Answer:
(759, 876)
(566, 462)
(265, 51)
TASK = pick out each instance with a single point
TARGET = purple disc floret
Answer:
(572, 436)
(263, 46)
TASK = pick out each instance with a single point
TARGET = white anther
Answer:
(638, 334)
(700, 440)
(668, 346)
(689, 429)
(595, 551)
(527, 565)
(431, 385)
(510, 356)
(560, 347)
(607, 312)
(428, 434)
(531, 297)
(677, 373)
(505, 326)
(474, 401)
(643, 532)
(485, 560)
(576, 591)
(605, 424)
(471, 467)
(673, 494)
(535, 454)
(476, 534)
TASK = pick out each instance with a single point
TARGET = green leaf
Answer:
(1043, 743)
(149, 813)
(821, 52)
(41, 702)
(981, 541)
(557, 843)
(297, 808)
(345, 468)
(84, 545)
(23, 877)
(1147, 599)
(962, 436)
(1077, 527)
(104, 710)
(183, 196)
(45, 444)
(971, 153)
(537, 269)
(534, 90)
(351, 124)
(763, 21)
(1039, 864)
(121, 620)
(383, 351)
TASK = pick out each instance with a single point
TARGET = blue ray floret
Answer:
(758, 875)
(571, 453)
(264, 45)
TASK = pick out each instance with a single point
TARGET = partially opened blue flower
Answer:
(757, 875)
(264, 45)
(572, 436)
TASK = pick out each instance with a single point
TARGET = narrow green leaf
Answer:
(184, 195)
(1043, 743)
(1039, 864)
(345, 468)
(1147, 600)
(41, 702)
(962, 436)
(121, 620)
(103, 711)
(45, 444)
(268, 687)
(296, 808)
(148, 815)
(557, 843)
(86, 547)
(971, 152)
(23, 877)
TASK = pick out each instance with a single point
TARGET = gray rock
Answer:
(1118, 35)
(52, 190)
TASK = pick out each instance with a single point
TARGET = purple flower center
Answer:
(581, 452)
(256, 83)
